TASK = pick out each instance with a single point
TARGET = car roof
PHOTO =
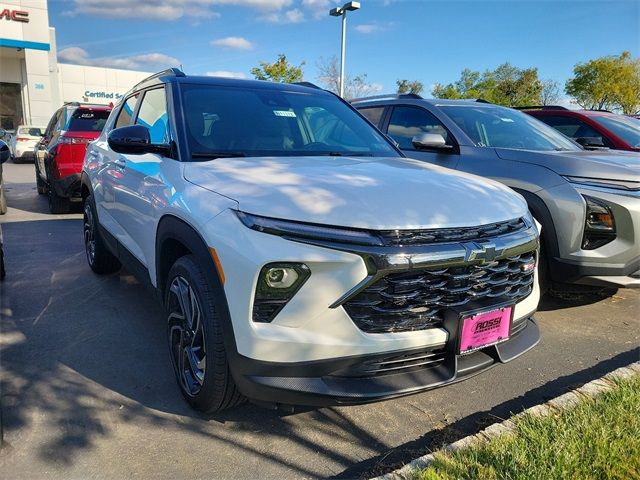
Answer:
(174, 75)
(415, 99)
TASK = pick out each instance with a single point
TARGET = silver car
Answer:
(588, 202)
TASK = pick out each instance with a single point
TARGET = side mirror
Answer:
(134, 139)
(429, 140)
(587, 142)
(5, 154)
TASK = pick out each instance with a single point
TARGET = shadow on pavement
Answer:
(433, 440)
(88, 353)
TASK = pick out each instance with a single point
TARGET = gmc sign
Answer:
(14, 15)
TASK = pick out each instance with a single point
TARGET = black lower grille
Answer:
(416, 300)
(396, 363)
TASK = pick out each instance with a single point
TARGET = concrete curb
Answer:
(588, 390)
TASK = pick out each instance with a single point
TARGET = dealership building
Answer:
(33, 84)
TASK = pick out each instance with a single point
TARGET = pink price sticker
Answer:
(484, 329)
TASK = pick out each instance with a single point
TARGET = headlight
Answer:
(300, 230)
(599, 227)
(600, 182)
(277, 284)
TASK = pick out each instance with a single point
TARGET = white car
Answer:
(301, 259)
(24, 141)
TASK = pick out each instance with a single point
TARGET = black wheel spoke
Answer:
(186, 336)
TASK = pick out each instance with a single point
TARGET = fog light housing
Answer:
(599, 227)
(277, 284)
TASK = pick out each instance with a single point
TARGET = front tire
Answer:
(100, 259)
(195, 339)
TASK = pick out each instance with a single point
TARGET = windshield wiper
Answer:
(341, 154)
(214, 155)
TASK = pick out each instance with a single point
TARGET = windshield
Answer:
(626, 128)
(86, 120)
(499, 127)
(229, 121)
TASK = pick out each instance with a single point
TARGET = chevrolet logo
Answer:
(486, 252)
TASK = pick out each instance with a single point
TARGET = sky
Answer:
(427, 40)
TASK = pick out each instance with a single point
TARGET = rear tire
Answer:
(99, 258)
(196, 345)
(41, 185)
(58, 204)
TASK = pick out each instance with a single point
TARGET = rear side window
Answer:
(407, 122)
(570, 126)
(373, 114)
(153, 115)
(86, 120)
(126, 112)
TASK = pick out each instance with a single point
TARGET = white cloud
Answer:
(290, 16)
(236, 43)
(226, 74)
(152, 61)
(166, 10)
(319, 8)
(263, 4)
(367, 28)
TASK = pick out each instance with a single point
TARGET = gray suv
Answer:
(588, 202)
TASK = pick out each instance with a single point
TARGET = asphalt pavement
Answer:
(88, 390)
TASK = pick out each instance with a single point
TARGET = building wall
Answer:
(81, 83)
(28, 57)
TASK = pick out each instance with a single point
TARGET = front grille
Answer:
(417, 300)
(399, 238)
(396, 363)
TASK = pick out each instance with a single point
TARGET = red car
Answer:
(61, 151)
(591, 128)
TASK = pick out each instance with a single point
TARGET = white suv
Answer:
(302, 260)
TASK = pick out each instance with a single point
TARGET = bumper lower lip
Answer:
(331, 384)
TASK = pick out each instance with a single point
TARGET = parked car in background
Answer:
(588, 202)
(60, 153)
(591, 128)
(23, 143)
(5, 154)
(300, 258)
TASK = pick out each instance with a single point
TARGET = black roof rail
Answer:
(169, 72)
(388, 95)
(541, 107)
(307, 84)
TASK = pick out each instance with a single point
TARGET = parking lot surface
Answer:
(88, 390)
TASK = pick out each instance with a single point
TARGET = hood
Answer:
(613, 165)
(373, 193)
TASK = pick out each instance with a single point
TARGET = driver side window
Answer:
(407, 122)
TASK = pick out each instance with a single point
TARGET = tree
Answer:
(611, 82)
(354, 87)
(409, 86)
(550, 93)
(506, 85)
(279, 71)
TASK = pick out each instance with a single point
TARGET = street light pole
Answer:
(342, 48)
(342, 12)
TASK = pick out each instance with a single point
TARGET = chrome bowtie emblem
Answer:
(486, 252)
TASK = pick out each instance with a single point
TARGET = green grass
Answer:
(599, 439)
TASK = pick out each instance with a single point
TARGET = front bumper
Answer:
(349, 381)
(616, 264)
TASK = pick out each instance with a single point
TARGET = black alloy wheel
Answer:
(186, 336)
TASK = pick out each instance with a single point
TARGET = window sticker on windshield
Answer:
(284, 113)
(506, 119)
(85, 115)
